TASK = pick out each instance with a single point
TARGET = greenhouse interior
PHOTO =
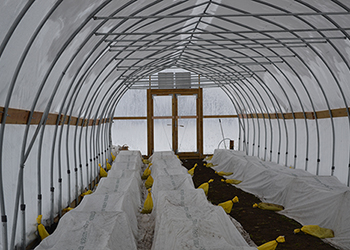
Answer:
(174, 124)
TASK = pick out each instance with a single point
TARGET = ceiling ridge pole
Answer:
(192, 32)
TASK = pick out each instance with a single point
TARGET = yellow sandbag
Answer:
(148, 205)
(146, 173)
(316, 231)
(108, 165)
(227, 205)
(191, 171)
(271, 245)
(86, 193)
(222, 173)
(208, 158)
(103, 172)
(231, 181)
(205, 186)
(209, 165)
(41, 229)
(149, 182)
(145, 161)
(113, 157)
(67, 209)
(268, 206)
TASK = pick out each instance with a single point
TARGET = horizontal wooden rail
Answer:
(170, 117)
(341, 112)
(20, 116)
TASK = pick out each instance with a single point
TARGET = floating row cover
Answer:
(309, 199)
(182, 210)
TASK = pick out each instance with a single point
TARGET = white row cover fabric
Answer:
(124, 173)
(196, 227)
(105, 219)
(128, 160)
(309, 199)
(160, 171)
(171, 182)
(91, 231)
(162, 155)
(184, 219)
(110, 185)
(171, 162)
(118, 201)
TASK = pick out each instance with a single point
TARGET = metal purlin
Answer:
(334, 77)
(247, 118)
(279, 130)
(277, 40)
(263, 119)
(230, 79)
(113, 107)
(257, 118)
(300, 103)
(309, 97)
(60, 112)
(3, 122)
(347, 64)
(250, 108)
(235, 93)
(308, 94)
(25, 154)
(239, 93)
(72, 99)
(72, 59)
(286, 131)
(293, 113)
(258, 104)
(331, 117)
(253, 123)
(56, 128)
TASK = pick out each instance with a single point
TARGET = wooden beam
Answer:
(130, 118)
(21, 116)
(219, 116)
(322, 114)
(170, 117)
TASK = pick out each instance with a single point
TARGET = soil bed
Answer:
(262, 225)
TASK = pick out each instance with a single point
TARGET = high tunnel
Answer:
(80, 76)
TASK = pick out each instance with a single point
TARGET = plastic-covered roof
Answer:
(56, 54)
(78, 57)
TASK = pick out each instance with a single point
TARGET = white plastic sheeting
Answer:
(305, 153)
(105, 219)
(184, 219)
(309, 199)
(31, 182)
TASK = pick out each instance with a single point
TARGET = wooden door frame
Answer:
(150, 118)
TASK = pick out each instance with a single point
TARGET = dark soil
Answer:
(262, 225)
